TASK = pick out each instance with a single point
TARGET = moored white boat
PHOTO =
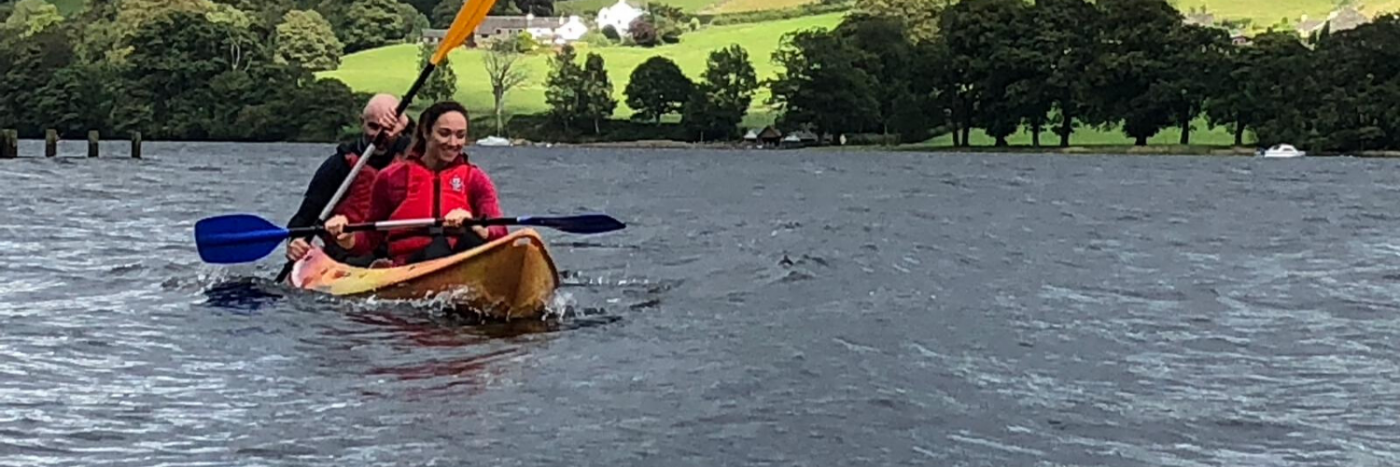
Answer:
(1283, 151)
(493, 141)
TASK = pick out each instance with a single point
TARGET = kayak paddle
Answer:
(242, 238)
(581, 224)
(468, 18)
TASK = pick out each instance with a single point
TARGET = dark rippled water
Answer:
(763, 308)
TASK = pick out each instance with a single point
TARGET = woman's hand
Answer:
(336, 227)
(458, 216)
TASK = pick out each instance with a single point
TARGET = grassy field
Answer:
(1265, 13)
(1375, 8)
(738, 6)
(1201, 135)
(575, 6)
(690, 6)
(68, 7)
(392, 69)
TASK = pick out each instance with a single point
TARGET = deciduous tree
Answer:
(657, 87)
(306, 38)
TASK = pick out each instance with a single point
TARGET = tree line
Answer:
(911, 69)
(233, 70)
(918, 68)
(214, 69)
(581, 97)
(172, 69)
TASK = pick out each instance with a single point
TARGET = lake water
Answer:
(762, 308)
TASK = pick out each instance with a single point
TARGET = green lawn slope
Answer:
(1265, 13)
(592, 6)
(739, 6)
(1201, 135)
(68, 7)
(689, 6)
(392, 69)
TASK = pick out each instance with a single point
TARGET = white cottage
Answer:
(540, 29)
(619, 16)
(570, 31)
(546, 30)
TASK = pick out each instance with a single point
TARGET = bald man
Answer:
(378, 116)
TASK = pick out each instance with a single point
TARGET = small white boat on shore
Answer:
(493, 141)
(1283, 151)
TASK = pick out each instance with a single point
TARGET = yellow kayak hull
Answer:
(508, 279)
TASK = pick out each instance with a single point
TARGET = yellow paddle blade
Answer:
(471, 15)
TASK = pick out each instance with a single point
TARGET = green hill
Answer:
(1265, 13)
(68, 7)
(1262, 13)
(392, 69)
(592, 6)
(589, 6)
(690, 6)
(1202, 135)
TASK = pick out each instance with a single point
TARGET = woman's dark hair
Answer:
(429, 117)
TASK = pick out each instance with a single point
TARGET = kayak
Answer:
(508, 279)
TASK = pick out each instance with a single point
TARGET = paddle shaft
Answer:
(367, 226)
(403, 224)
(587, 223)
(557, 222)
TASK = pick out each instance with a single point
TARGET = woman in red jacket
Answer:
(434, 180)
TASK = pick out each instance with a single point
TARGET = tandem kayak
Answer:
(510, 278)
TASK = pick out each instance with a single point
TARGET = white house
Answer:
(619, 16)
(542, 29)
(572, 30)
(559, 31)
(545, 29)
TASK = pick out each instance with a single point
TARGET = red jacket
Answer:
(356, 203)
(409, 190)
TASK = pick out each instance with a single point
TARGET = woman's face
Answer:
(449, 135)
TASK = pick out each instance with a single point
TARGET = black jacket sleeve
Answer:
(319, 192)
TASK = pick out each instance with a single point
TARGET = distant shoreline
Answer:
(1120, 150)
(1155, 150)
(1096, 150)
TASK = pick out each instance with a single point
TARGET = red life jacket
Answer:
(355, 204)
(428, 194)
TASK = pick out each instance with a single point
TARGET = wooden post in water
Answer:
(135, 145)
(92, 143)
(9, 144)
(50, 143)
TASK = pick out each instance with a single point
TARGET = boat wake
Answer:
(562, 313)
(228, 291)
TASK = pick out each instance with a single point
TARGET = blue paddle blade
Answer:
(236, 238)
(585, 224)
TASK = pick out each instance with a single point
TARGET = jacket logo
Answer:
(456, 184)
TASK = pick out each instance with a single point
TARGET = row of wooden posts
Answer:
(9, 144)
